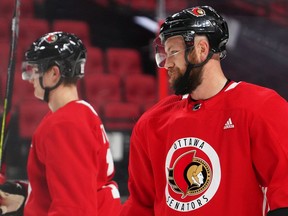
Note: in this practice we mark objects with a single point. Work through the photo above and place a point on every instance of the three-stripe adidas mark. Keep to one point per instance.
(229, 124)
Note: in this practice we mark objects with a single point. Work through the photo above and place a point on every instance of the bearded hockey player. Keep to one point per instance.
(217, 147)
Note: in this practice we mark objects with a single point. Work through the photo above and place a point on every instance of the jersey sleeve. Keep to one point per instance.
(141, 187)
(269, 149)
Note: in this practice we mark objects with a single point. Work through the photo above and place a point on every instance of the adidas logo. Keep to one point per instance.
(228, 124)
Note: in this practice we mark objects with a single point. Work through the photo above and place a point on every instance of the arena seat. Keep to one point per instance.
(102, 88)
(173, 6)
(120, 116)
(31, 113)
(78, 27)
(31, 29)
(123, 61)
(22, 91)
(146, 5)
(5, 31)
(140, 89)
(27, 9)
(95, 60)
(4, 58)
(6, 8)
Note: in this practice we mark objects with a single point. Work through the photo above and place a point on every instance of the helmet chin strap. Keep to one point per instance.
(182, 87)
(47, 90)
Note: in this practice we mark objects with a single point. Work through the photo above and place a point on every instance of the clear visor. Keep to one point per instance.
(30, 71)
(160, 54)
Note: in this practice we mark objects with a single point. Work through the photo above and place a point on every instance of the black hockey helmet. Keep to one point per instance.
(201, 20)
(63, 49)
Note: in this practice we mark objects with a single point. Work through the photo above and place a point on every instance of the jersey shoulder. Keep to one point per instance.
(248, 96)
(164, 107)
(75, 113)
(248, 92)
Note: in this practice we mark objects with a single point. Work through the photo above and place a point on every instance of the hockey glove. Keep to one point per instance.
(12, 199)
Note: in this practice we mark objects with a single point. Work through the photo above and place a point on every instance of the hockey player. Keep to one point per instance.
(217, 147)
(70, 167)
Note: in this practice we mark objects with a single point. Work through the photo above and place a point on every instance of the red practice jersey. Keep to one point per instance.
(225, 156)
(70, 167)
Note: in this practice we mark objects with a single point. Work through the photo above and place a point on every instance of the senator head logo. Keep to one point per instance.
(198, 12)
(51, 38)
(189, 174)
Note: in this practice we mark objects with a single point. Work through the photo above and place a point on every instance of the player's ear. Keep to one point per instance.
(54, 73)
(203, 48)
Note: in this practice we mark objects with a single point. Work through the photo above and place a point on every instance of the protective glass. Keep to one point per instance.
(30, 71)
(160, 54)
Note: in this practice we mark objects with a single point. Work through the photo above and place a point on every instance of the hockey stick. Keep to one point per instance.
(6, 116)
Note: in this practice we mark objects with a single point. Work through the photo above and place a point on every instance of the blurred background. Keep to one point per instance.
(121, 79)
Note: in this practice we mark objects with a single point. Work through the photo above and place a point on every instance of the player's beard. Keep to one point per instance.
(183, 85)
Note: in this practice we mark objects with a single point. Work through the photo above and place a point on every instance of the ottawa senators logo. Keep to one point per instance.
(193, 174)
(51, 38)
(198, 12)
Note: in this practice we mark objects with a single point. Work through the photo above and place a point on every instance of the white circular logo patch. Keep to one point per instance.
(193, 174)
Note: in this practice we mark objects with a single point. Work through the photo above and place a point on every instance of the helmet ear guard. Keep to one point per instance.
(72, 70)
